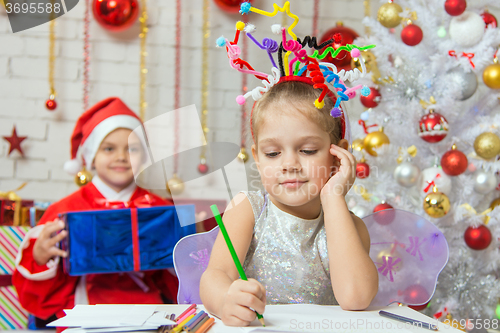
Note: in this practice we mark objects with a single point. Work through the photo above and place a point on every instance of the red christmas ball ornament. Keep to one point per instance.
(412, 35)
(433, 127)
(202, 168)
(51, 104)
(362, 169)
(477, 238)
(115, 15)
(455, 7)
(230, 6)
(372, 99)
(419, 307)
(386, 215)
(415, 294)
(489, 20)
(342, 36)
(454, 162)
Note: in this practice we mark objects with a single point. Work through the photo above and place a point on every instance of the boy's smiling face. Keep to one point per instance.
(118, 155)
(292, 155)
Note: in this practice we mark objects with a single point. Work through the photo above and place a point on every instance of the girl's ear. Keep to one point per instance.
(343, 144)
(255, 156)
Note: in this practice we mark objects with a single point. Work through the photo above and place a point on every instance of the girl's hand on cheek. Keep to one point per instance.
(344, 174)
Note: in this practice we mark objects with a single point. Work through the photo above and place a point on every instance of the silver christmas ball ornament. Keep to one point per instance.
(467, 82)
(484, 182)
(360, 211)
(406, 174)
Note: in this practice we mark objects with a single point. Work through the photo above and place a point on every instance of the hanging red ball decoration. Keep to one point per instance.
(372, 99)
(454, 162)
(477, 238)
(115, 15)
(433, 127)
(489, 20)
(230, 6)
(412, 35)
(51, 104)
(419, 307)
(342, 36)
(455, 7)
(362, 169)
(415, 294)
(387, 216)
(202, 168)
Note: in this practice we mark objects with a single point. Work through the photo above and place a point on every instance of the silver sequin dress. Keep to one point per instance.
(288, 255)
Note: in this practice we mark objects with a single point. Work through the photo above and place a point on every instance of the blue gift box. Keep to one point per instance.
(124, 240)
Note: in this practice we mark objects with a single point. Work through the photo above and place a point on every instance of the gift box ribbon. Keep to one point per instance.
(144, 201)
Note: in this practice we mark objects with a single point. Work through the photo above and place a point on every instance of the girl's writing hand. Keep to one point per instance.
(45, 245)
(240, 299)
(345, 173)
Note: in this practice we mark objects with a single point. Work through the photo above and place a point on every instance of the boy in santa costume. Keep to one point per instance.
(102, 136)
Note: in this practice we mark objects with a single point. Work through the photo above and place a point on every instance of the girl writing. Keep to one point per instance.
(297, 239)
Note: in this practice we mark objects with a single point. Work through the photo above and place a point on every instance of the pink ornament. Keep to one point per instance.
(355, 53)
(202, 168)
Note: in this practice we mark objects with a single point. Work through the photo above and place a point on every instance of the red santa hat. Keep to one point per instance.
(93, 126)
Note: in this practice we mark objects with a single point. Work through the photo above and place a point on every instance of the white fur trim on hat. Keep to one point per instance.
(108, 125)
(73, 166)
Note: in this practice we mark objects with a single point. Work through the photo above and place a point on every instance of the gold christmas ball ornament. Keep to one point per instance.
(370, 64)
(175, 185)
(436, 204)
(487, 145)
(391, 253)
(491, 76)
(243, 155)
(83, 177)
(357, 145)
(374, 140)
(388, 15)
(495, 203)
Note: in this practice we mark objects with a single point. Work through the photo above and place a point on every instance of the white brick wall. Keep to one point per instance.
(115, 72)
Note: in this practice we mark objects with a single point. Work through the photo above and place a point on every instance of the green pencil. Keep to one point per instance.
(243, 276)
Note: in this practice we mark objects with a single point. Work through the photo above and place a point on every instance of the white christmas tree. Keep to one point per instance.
(426, 66)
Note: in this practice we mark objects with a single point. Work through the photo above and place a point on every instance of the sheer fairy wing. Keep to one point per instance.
(409, 253)
(191, 257)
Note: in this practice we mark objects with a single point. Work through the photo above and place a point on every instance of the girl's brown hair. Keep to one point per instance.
(303, 96)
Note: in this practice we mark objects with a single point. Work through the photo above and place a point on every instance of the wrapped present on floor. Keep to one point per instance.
(13, 210)
(203, 211)
(12, 315)
(124, 240)
(36, 212)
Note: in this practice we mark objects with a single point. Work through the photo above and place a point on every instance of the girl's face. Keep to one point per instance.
(119, 154)
(292, 155)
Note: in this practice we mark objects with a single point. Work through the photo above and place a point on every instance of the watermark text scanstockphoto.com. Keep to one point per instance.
(367, 324)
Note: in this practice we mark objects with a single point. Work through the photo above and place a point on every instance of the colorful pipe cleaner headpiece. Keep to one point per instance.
(303, 67)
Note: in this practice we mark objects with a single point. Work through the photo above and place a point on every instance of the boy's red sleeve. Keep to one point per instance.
(43, 290)
(43, 297)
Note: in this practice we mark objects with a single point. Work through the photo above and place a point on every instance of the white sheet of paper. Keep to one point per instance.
(110, 329)
(316, 318)
(158, 319)
(105, 315)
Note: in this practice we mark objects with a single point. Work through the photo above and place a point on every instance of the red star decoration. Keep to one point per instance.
(15, 141)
